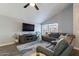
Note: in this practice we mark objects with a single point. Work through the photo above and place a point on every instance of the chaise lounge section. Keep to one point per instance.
(62, 48)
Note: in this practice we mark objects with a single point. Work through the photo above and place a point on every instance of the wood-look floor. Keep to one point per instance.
(75, 52)
(9, 50)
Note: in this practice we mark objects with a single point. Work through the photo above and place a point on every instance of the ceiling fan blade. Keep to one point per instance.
(26, 5)
(36, 7)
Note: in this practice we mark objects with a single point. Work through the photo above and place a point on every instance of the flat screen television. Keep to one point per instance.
(27, 27)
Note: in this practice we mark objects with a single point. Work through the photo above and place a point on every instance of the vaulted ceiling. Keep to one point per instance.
(30, 14)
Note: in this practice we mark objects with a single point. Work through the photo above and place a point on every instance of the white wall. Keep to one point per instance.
(76, 24)
(11, 26)
(64, 20)
(8, 27)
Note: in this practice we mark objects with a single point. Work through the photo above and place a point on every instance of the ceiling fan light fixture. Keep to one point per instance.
(32, 4)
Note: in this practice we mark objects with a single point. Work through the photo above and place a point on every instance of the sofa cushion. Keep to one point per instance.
(60, 47)
(44, 50)
(55, 35)
(67, 51)
(64, 34)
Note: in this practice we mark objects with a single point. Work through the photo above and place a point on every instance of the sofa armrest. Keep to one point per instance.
(44, 50)
(67, 51)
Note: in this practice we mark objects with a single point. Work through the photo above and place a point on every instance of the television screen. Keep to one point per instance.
(28, 27)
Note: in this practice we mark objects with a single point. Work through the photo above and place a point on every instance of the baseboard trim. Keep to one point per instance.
(7, 44)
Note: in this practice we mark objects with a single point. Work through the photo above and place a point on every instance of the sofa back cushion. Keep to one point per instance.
(60, 47)
(54, 35)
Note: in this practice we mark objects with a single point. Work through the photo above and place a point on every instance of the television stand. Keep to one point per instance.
(26, 38)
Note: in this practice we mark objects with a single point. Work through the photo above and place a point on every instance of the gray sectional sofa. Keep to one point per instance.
(62, 48)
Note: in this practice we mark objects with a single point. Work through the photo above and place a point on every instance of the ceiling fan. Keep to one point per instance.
(31, 4)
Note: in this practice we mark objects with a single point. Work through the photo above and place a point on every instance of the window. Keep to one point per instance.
(49, 28)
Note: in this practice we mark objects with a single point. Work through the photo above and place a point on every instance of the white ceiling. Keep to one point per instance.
(30, 14)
